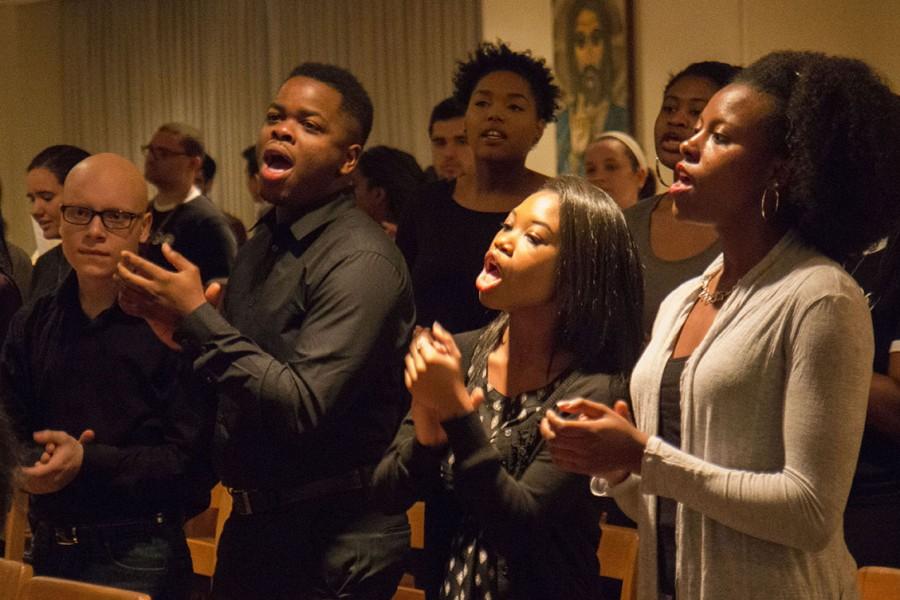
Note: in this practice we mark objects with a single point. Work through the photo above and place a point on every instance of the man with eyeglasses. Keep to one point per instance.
(182, 215)
(117, 434)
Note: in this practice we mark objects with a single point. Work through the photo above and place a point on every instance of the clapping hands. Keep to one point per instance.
(600, 441)
(434, 378)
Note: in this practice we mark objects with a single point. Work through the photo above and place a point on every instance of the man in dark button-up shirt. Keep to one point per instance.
(124, 437)
(306, 359)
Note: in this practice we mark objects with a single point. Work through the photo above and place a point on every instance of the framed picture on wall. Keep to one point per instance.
(593, 58)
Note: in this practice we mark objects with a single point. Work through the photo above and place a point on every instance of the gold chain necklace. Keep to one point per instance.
(713, 298)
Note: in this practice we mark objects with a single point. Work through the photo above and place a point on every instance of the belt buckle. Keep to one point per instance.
(65, 536)
(241, 501)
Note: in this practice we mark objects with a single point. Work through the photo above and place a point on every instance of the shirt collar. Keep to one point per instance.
(67, 298)
(324, 212)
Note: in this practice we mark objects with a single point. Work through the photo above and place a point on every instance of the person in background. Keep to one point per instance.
(615, 163)
(450, 152)
(252, 165)
(674, 250)
(117, 432)
(872, 517)
(182, 216)
(11, 294)
(44, 179)
(502, 520)
(204, 182)
(750, 398)
(19, 268)
(385, 183)
(510, 97)
(206, 175)
(305, 358)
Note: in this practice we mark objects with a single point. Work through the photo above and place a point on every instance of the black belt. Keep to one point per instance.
(249, 502)
(70, 535)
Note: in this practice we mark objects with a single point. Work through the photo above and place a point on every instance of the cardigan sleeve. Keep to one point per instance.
(828, 366)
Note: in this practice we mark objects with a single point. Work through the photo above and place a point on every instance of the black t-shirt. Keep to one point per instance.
(199, 231)
(878, 470)
(444, 245)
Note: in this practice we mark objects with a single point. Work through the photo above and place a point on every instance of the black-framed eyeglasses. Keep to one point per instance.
(111, 219)
(159, 152)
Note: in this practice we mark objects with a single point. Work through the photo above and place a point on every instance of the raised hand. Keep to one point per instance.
(161, 297)
(433, 374)
(179, 292)
(601, 441)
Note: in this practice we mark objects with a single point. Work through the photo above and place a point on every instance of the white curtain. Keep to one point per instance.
(131, 65)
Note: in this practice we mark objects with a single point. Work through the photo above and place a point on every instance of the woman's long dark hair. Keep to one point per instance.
(599, 284)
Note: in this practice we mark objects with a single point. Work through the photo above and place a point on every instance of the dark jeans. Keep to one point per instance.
(153, 559)
(332, 548)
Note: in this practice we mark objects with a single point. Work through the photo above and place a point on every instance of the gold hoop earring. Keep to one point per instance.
(762, 202)
(659, 175)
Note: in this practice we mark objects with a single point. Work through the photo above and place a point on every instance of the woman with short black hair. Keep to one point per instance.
(509, 98)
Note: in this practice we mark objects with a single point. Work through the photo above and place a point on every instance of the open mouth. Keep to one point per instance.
(493, 135)
(275, 163)
(490, 276)
(671, 142)
(683, 181)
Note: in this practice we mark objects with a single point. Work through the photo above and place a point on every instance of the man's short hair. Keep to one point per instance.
(446, 109)
(355, 100)
(191, 138)
(208, 167)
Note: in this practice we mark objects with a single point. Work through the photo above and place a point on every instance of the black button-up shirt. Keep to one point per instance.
(307, 360)
(61, 370)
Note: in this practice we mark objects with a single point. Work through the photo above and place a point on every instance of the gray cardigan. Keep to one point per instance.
(773, 404)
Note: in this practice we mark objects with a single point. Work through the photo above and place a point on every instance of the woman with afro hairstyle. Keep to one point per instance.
(509, 98)
(751, 397)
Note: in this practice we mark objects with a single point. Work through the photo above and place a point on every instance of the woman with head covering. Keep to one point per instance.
(615, 163)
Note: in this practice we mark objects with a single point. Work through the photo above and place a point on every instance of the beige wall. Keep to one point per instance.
(669, 35)
(31, 102)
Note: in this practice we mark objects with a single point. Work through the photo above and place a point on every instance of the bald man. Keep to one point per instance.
(117, 430)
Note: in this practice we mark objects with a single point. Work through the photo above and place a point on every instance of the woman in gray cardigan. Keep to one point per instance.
(751, 396)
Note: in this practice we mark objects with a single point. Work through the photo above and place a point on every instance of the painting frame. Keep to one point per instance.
(593, 49)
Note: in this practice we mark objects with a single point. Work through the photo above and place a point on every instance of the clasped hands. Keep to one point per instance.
(58, 465)
(433, 376)
(162, 297)
(600, 441)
